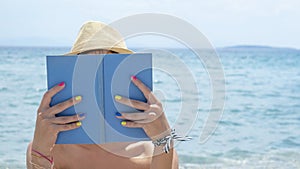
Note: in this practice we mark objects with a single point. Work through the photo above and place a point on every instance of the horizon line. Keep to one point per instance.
(137, 47)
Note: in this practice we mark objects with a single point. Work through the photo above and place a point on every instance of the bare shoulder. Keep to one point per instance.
(128, 155)
(146, 157)
(146, 148)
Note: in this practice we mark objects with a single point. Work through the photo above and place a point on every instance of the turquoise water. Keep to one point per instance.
(260, 126)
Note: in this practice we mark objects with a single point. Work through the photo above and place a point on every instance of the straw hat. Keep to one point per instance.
(95, 35)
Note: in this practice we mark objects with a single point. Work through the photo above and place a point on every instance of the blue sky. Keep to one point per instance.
(223, 22)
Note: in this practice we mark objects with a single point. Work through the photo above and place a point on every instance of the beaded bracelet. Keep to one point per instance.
(167, 140)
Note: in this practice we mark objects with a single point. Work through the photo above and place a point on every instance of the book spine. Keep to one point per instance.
(100, 86)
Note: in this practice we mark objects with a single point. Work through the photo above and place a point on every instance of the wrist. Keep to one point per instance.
(167, 140)
(40, 160)
(162, 134)
(45, 150)
(162, 129)
(160, 149)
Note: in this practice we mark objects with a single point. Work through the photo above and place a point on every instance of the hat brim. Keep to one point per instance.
(118, 50)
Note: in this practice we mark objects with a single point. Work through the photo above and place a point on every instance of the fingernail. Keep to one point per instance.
(118, 114)
(82, 115)
(117, 97)
(61, 84)
(78, 123)
(123, 123)
(133, 78)
(77, 98)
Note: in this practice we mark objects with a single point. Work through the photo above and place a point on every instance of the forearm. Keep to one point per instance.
(162, 160)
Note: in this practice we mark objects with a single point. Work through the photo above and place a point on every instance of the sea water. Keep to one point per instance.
(259, 126)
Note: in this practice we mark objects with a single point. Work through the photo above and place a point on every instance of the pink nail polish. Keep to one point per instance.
(61, 84)
(133, 78)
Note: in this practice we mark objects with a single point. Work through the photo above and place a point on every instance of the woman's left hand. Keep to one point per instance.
(152, 120)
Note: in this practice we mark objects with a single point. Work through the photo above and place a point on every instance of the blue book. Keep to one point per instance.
(98, 78)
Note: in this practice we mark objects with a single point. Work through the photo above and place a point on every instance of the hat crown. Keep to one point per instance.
(97, 35)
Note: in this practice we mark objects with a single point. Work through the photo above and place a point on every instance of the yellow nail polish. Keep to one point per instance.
(77, 98)
(78, 123)
(117, 97)
(123, 123)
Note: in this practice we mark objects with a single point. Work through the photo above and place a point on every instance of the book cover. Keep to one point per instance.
(98, 78)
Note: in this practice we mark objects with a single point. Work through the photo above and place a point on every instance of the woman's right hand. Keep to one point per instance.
(48, 125)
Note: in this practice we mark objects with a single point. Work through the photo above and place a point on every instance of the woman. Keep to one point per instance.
(98, 38)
